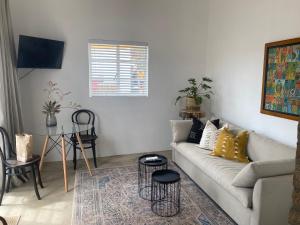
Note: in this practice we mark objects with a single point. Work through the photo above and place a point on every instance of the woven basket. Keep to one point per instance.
(191, 104)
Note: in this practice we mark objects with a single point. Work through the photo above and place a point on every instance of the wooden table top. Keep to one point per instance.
(186, 114)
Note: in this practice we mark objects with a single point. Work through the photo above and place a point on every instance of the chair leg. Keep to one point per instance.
(74, 156)
(24, 174)
(94, 153)
(39, 175)
(21, 174)
(8, 180)
(3, 183)
(21, 179)
(34, 183)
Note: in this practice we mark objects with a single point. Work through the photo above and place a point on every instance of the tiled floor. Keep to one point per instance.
(55, 208)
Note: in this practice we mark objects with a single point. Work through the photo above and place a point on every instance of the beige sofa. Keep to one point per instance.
(267, 202)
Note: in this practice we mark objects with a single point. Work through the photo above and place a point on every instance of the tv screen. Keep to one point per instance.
(39, 53)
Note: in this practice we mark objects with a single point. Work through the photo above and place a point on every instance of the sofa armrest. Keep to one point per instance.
(180, 130)
(272, 200)
(248, 176)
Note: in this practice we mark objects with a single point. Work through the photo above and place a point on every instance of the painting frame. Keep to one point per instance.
(277, 46)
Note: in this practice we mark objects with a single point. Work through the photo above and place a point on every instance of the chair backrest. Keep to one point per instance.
(84, 116)
(6, 150)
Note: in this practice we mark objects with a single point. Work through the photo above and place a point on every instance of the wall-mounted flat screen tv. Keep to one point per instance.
(40, 53)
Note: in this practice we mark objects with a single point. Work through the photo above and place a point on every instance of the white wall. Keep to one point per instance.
(238, 30)
(176, 31)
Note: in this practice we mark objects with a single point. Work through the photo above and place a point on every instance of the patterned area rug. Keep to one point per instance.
(110, 198)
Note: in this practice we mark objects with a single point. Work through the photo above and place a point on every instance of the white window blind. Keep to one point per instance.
(118, 68)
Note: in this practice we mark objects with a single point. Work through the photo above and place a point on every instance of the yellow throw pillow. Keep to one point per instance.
(232, 147)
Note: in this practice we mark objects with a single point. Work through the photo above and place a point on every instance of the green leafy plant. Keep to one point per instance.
(196, 90)
(55, 94)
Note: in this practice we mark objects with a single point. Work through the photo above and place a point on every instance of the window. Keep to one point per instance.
(118, 68)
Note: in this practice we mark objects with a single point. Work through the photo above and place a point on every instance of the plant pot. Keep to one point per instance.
(191, 104)
(51, 120)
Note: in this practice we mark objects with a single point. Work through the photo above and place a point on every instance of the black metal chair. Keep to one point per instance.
(12, 167)
(3, 221)
(88, 137)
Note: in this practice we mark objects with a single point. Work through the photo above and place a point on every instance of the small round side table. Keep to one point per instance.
(145, 170)
(165, 193)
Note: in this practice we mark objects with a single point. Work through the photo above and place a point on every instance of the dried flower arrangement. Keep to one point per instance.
(55, 94)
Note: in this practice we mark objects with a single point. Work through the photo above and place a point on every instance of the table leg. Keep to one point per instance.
(64, 158)
(44, 151)
(83, 153)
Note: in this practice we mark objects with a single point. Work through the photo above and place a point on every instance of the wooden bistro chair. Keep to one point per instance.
(88, 138)
(12, 167)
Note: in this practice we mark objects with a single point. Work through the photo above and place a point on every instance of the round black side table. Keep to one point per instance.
(165, 193)
(145, 170)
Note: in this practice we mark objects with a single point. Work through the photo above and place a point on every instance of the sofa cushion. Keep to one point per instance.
(261, 148)
(248, 176)
(222, 171)
(209, 136)
(231, 146)
(196, 131)
(180, 129)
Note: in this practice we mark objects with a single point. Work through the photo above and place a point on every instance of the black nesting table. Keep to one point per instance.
(145, 170)
(165, 193)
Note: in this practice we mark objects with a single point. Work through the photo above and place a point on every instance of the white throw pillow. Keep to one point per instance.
(248, 176)
(209, 136)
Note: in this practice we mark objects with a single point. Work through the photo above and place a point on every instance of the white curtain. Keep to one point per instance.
(10, 109)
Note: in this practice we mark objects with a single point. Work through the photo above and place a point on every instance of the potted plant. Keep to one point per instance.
(195, 92)
(52, 105)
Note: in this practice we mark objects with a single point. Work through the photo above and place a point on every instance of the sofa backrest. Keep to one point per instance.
(261, 148)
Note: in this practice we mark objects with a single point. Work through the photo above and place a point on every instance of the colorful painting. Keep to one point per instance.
(281, 83)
